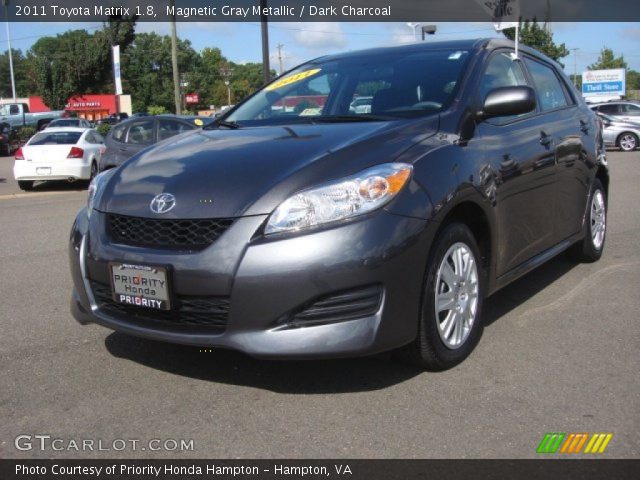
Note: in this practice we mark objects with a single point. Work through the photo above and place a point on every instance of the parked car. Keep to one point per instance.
(348, 234)
(17, 115)
(623, 135)
(69, 122)
(5, 138)
(625, 111)
(113, 119)
(134, 135)
(63, 153)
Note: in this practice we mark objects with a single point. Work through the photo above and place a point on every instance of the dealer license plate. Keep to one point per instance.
(140, 285)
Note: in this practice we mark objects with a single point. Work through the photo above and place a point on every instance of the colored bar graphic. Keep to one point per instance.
(573, 443)
(551, 442)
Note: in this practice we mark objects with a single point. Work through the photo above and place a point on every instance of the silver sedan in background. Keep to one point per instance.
(623, 135)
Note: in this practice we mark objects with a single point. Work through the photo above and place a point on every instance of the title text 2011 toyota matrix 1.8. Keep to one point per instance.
(298, 227)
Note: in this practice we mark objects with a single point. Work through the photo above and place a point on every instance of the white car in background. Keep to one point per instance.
(69, 153)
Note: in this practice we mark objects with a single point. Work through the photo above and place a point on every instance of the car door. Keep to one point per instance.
(139, 136)
(630, 112)
(572, 129)
(519, 152)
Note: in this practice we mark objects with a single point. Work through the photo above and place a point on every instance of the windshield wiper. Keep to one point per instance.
(354, 118)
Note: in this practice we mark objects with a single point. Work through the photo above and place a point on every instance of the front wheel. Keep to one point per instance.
(591, 247)
(450, 324)
(628, 142)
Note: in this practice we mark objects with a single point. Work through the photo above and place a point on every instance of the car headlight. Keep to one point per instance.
(95, 188)
(340, 199)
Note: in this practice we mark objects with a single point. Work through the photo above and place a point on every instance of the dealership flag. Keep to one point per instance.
(116, 69)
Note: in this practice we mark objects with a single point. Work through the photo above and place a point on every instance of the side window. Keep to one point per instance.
(14, 110)
(609, 109)
(89, 138)
(119, 133)
(550, 92)
(501, 71)
(169, 128)
(98, 138)
(630, 109)
(141, 133)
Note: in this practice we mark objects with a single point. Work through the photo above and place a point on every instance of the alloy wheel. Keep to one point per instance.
(628, 142)
(598, 219)
(456, 295)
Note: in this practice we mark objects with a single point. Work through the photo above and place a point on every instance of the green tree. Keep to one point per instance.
(608, 60)
(535, 36)
(22, 68)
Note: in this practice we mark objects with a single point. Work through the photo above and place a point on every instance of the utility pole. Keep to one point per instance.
(13, 80)
(225, 71)
(279, 47)
(174, 62)
(264, 30)
(575, 66)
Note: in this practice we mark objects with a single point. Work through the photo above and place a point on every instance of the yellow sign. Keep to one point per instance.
(198, 122)
(292, 79)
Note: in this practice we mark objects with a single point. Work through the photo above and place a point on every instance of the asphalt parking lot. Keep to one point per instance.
(560, 353)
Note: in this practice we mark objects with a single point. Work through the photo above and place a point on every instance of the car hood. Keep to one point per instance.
(249, 171)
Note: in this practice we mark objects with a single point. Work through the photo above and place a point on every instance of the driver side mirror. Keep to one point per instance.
(507, 101)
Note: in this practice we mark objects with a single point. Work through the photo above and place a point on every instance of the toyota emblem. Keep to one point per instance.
(163, 203)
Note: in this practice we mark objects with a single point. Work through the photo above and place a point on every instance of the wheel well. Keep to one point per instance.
(625, 133)
(473, 217)
(603, 176)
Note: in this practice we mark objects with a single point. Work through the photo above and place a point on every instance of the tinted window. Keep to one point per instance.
(14, 110)
(119, 133)
(57, 138)
(169, 128)
(501, 71)
(141, 133)
(630, 109)
(65, 123)
(550, 92)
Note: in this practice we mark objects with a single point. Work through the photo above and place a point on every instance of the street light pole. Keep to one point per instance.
(264, 30)
(575, 66)
(13, 80)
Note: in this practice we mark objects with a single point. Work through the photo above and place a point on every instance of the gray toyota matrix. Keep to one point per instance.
(301, 226)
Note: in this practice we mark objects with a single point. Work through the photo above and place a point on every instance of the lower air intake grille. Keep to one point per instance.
(192, 234)
(211, 312)
(337, 307)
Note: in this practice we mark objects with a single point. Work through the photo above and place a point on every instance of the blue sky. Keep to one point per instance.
(240, 42)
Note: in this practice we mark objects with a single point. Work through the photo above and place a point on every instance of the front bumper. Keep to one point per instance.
(77, 169)
(266, 279)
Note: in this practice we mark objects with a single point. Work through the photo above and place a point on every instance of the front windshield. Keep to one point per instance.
(390, 85)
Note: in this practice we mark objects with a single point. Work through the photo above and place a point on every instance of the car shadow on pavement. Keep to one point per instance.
(292, 377)
(515, 294)
(312, 376)
(60, 186)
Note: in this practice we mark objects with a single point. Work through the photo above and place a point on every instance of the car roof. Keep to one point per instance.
(66, 129)
(465, 44)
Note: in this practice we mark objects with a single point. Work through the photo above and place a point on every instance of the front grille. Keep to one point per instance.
(210, 312)
(337, 307)
(191, 234)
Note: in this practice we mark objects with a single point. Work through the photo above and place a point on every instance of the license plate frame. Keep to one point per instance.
(156, 272)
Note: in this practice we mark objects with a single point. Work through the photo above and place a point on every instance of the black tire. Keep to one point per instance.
(94, 171)
(428, 350)
(627, 141)
(587, 251)
(25, 185)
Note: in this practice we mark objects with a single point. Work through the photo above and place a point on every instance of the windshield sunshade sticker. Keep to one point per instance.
(292, 79)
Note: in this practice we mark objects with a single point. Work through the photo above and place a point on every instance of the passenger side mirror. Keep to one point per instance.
(507, 101)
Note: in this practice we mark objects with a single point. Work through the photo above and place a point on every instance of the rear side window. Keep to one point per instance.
(630, 109)
(550, 92)
(609, 109)
(119, 133)
(169, 128)
(141, 133)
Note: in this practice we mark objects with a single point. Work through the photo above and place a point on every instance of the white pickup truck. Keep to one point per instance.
(17, 115)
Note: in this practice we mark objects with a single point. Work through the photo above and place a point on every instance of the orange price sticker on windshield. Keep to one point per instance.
(292, 79)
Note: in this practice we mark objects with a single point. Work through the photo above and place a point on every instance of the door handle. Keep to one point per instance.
(545, 139)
